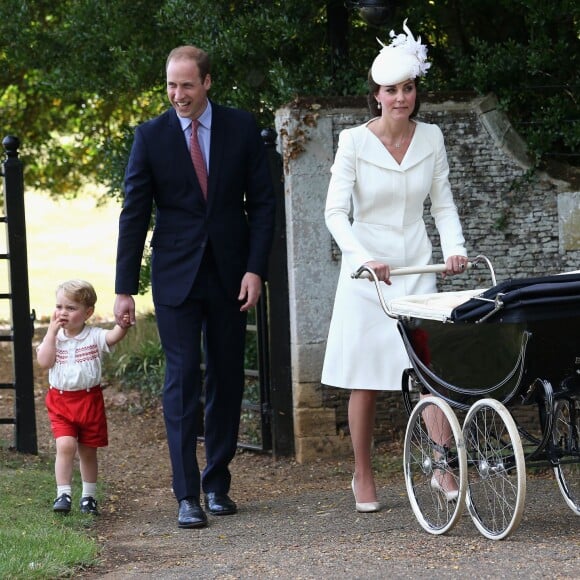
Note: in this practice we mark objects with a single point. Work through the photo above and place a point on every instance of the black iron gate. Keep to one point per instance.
(22, 322)
(269, 387)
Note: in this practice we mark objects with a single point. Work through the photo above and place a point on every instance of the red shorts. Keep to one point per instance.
(79, 414)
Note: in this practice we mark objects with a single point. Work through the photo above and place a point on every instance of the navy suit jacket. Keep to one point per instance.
(237, 220)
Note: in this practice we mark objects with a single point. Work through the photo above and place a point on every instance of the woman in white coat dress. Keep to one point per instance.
(382, 174)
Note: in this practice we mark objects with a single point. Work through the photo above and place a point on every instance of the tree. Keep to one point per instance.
(525, 51)
(77, 75)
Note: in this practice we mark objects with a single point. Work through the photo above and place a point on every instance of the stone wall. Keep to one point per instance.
(527, 224)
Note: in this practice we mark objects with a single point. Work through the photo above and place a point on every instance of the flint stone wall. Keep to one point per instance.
(528, 225)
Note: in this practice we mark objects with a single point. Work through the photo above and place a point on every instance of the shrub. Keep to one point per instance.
(138, 362)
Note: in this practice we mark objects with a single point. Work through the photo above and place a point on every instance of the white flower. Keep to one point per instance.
(406, 43)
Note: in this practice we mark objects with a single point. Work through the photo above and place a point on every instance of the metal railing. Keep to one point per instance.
(22, 320)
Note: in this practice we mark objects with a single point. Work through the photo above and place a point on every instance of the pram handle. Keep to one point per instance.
(366, 272)
(408, 270)
(369, 273)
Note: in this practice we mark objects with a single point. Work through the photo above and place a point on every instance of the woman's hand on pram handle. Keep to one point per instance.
(381, 270)
(456, 265)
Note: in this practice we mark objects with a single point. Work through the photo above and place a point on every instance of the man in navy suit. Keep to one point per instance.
(209, 257)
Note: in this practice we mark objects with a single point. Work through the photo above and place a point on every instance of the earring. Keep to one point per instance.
(378, 105)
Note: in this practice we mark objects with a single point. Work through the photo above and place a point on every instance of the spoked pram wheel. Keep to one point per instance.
(435, 465)
(496, 476)
(566, 438)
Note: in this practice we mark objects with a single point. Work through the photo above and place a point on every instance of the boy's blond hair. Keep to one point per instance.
(80, 291)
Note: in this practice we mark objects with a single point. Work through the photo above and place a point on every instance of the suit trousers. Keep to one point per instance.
(210, 317)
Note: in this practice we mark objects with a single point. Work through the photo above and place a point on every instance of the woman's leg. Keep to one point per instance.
(440, 432)
(361, 421)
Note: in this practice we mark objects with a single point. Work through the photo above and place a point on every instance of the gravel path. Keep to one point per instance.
(318, 534)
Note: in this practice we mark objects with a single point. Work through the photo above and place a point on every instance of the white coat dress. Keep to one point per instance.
(386, 202)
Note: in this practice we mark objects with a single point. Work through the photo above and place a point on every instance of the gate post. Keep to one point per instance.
(22, 321)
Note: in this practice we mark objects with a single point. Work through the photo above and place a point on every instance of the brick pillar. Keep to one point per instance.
(307, 149)
(315, 433)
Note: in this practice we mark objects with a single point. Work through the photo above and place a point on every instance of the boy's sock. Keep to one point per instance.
(89, 489)
(60, 489)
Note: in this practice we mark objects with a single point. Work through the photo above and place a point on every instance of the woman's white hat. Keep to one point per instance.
(404, 58)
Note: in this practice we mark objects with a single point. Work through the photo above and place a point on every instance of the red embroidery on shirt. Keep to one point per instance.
(87, 353)
(61, 356)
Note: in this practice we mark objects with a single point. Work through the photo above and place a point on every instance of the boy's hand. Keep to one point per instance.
(56, 322)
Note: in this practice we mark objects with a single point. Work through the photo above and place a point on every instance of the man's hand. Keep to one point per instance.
(124, 310)
(250, 291)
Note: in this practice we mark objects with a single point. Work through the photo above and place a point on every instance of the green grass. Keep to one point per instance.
(34, 541)
(74, 238)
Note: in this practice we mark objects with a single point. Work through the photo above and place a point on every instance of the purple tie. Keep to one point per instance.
(197, 158)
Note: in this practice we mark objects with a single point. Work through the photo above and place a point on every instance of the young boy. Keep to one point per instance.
(72, 351)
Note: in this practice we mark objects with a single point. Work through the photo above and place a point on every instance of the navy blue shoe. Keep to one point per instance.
(89, 506)
(62, 504)
(190, 514)
(220, 504)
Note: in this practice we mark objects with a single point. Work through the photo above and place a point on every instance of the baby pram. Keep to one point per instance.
(476, 354)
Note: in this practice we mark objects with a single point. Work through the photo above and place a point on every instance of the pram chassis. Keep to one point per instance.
(487, 457)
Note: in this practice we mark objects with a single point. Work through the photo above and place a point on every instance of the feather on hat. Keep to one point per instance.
(404, 58)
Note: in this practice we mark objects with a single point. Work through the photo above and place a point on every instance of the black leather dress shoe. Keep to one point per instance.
(219, 504)
(190, 514)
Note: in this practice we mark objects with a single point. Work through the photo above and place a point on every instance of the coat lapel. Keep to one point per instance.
(371, 150)
(217, 145)
(179, 146)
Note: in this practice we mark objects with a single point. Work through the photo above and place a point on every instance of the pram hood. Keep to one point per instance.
(524, 299)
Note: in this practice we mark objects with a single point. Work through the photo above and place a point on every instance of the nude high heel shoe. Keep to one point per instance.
(450, 495)
(365, 507)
